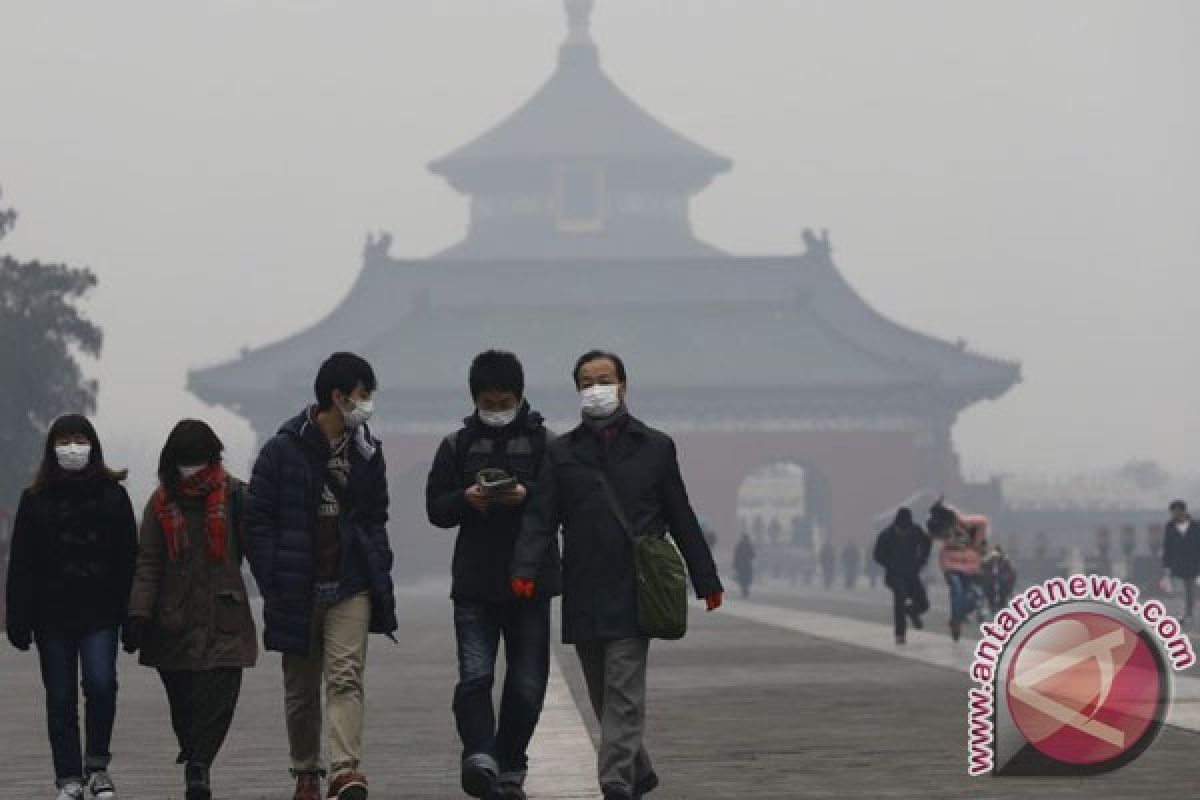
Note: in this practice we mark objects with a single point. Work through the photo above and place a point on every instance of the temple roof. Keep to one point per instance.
(579, 113)
(714, 324)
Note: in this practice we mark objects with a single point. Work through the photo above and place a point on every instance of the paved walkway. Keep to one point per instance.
(753, 704)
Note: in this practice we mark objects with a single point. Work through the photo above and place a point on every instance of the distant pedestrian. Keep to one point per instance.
(609, 482)
(851, 564)
(964, 540)
(872, 571)
(74, 542)
(999, 578)
(743, 564)
(902, 550)
(1181, 553)
(189, 613)
(317, 542)
(480, 483)
(828, 561)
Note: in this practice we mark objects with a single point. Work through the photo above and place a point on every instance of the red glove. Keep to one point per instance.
(523, 588)
(713, 601)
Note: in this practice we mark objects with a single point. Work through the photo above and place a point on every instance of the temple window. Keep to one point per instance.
(580, 199)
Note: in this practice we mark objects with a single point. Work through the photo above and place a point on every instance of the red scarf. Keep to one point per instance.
(209, 483)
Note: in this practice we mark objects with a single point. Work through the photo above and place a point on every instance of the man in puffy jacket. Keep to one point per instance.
(318, 546)
(902, 549)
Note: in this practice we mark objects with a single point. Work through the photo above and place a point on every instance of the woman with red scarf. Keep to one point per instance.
(189, 614)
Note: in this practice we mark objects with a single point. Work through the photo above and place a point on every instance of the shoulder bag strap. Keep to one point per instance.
(614, 503)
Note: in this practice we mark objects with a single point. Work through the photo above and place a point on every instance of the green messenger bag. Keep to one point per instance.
(661, 577)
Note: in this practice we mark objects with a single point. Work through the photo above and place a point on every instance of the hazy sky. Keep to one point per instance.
(1019, 174)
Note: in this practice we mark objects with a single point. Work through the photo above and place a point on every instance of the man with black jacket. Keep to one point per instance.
(316, 530)
(902, 550)
(1181, 554)
(600, 607)
(503, 439)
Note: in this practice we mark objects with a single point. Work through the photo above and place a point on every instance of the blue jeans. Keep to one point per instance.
(61, 657)
(963, 599)
(525, 628)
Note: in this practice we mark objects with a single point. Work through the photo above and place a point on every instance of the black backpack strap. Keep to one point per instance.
(458, 450)
(541, 440)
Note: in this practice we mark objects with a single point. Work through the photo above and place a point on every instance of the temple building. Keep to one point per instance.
(579, 236)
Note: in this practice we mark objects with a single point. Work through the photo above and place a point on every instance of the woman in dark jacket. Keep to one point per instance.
(188, 613)
(73, 548)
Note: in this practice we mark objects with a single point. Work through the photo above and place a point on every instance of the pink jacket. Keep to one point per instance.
(963, 551)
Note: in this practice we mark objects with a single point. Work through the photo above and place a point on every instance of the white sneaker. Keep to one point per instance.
(101, 786)
(70, 791)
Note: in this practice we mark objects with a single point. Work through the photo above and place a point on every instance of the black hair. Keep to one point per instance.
(904, 517)
(344, 372)
(596, 355)
(72, 425)
(496, 370)
(942, 520)
(190, 442)
(1178, 505)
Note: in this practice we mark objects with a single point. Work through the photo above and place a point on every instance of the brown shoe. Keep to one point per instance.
(308, 786)
(349, 786)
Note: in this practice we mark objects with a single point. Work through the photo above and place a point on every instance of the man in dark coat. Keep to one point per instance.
(503, 434)
(902, 549)
(850, 564)
(828, 563)
(318, 546)
(1181, 553)
(600, 614)
(743, 563)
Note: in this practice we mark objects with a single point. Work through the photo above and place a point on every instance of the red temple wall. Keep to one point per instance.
(867, 472)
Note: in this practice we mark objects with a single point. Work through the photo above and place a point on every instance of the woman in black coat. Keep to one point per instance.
(73, 549)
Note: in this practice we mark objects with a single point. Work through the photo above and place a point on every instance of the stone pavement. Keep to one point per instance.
(739, 709)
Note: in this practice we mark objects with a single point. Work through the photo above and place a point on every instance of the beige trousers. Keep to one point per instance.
(337, 653)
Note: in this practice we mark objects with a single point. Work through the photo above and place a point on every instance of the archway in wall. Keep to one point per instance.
(786, 509)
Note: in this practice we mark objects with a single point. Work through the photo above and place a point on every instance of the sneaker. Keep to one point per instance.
(349, 786)
(479, 775)
(308, 786)
(70, 791)
(509, 791)
(101, 786)
(197, 783)
(645, 786)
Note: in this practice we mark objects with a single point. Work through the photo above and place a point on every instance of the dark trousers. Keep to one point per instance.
(525, 629)
(615, 672)
(908, 597)
(1189, 594)
(202, 704)
(61, 658)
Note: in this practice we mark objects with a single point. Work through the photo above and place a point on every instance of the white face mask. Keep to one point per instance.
(600, 400)
(498, 419)
(358, 413)
(73, 457)
(187, 472)
(1182, 525)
